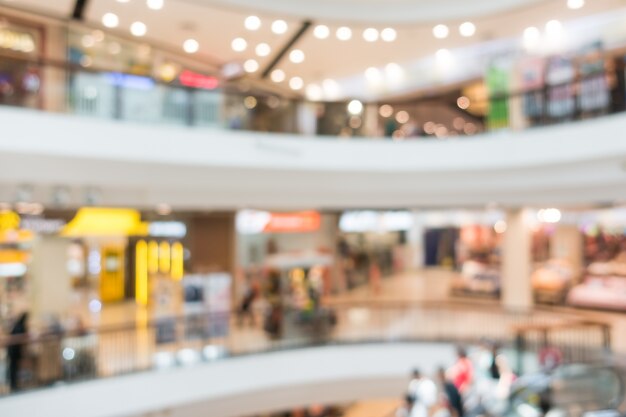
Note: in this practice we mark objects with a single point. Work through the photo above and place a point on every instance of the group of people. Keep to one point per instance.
(471, 387)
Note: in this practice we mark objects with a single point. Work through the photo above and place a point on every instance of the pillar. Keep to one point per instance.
(49, 278)
(517, 293)
(370, 121)
(567, 243)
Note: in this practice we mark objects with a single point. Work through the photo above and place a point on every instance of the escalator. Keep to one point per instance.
(574, 390)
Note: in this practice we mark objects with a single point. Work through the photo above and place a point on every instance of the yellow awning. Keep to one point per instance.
(101, 221)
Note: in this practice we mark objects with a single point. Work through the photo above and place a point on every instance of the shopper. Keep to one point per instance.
(462, 372)
(16, 350)
(452, 394)
(423, 392)
(245, 309)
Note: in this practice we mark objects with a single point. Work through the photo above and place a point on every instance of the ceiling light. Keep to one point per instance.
(321, 32)
(296, 83)
(575, 4)
(123, 1)
(279, 27)
(385, 111)
(296, 56)
(532, 35)
(263, 49)
(344, 33)
(500, 227)
(441, 31)
(239, 44)
(443, 56)
(370, 35)
(388, 35)
(467, 29)
(250, 102)
(331, 88)
(554, 28)
(163, 209)
(251, 66)
(252, 23)
(278, 76)
(393, 70)
(549, 215)
(191, 46)
(463, 102)
(355, 107)
(372, 74)
(138, 29)
(110, 20)
(155, 4)
(314, 92)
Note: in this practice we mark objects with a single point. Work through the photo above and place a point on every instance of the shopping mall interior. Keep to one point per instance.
(313, 208)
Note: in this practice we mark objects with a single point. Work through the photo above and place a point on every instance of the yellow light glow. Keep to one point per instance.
(153, 257)
(178, 268)
(100, 221)
(141, 273)
(165, 257)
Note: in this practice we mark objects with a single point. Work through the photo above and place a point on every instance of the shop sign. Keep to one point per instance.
(255, 222)
(43, 226)
(195, 80)
(136, 82)
(167, 229)
(17, 41)
(373, 221)
(9, 220)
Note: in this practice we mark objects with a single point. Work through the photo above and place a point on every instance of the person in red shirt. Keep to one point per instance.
(462, 372)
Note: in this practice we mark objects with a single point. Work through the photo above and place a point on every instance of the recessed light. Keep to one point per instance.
(532, 36)
(110, 20)
(388, 35)
(370, 35)
(250, 102)
(314, 92)
(331, 88)
(239, 44)
(296, 56)
(355, 107)
(296, 83)
(279, 27)
(263, 49)
(554, 27)
(344, 33)
(441, 31)
(402, 117)
(138, 29)
(467, 29)
(191, 46)
(251, 66)
(321, 32)
(575, 4)
(278, 76)
(372, 74)
(252, 23)
(155, 4)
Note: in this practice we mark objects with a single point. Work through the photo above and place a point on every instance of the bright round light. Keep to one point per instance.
(444, 57)
(191, 46)
(279, 27)
(370, 35)
(110, 20)
(385, 111)
(373, 75)
(388, 35)
(532, 36)
(239, 44)
(251, 66)
(314, 92)
(331, 88)
(95, 306)
(155, 4)
(441, 31)
(250, 102)
(321, 32)
(252, 23)
(463, 103)
(138, 29)
(296, 83)
(278, 76)
(355, 107)
(344, 33)
(467, 29)
(393, 70)
(68, 354)
(500, 227)
(550, 215)
(554, 28)
(263, 49)
(402, 117)
(575, 4)
(296, 56)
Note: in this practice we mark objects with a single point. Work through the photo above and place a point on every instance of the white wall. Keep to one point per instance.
(143, 165)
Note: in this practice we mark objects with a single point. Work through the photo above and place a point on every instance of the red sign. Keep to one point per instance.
(304, 221)
(195, 80)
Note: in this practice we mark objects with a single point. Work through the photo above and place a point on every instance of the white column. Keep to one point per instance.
(49, 279)
(370, 114)
(307, 118)
(567, 243)
(517, 291)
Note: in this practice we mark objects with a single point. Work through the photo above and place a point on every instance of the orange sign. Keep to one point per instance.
(303, 221)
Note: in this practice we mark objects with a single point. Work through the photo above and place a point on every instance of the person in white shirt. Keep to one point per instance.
(423, 392)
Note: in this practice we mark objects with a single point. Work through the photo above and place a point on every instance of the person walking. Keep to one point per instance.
(452, 394)
(15, 351)
(462, 372)
(423, 392)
